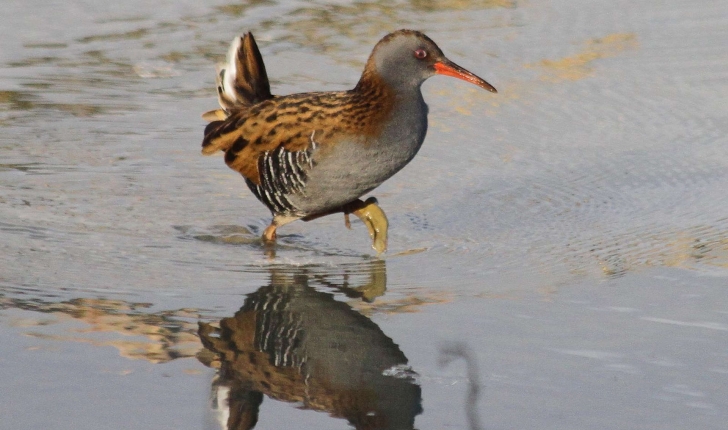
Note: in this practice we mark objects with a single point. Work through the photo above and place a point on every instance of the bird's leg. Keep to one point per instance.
(374, 218)
(269, 234)
(369, 213)
(347, 222)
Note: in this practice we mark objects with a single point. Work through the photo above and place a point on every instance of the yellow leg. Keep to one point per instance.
(368, 212)
(375, 219)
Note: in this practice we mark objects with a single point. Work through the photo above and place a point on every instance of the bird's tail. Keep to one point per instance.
(242, 81)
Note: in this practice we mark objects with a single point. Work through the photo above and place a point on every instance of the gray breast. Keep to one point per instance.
(356, 166)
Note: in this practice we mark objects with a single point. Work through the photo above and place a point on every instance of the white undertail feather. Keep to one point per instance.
(227, 96)
(242, 80)
(227, 74)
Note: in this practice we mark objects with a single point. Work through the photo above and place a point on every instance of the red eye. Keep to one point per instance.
(420, 54)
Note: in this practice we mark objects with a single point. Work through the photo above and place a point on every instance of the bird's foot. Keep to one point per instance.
(269, 235)
(369, 213)
(376, 221)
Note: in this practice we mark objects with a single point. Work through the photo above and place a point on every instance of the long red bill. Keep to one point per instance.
(448, 68)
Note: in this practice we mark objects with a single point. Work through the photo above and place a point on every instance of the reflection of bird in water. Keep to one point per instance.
(296, 344)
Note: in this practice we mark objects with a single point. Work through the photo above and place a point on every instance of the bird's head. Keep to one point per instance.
(408, 58)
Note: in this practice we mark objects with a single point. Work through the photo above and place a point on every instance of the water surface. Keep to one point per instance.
(566, 238)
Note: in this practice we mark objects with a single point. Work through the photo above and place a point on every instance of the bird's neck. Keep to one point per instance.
(394, 112)
(374, 84)
(397, 112)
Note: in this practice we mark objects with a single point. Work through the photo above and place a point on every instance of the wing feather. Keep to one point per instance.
(276, 123)
(252, 122)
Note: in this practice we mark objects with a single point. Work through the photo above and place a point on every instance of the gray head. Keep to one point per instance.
(406, 58)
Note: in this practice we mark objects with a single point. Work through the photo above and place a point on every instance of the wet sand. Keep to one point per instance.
(569, 234)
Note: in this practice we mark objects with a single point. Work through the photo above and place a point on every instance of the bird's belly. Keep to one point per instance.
(352, 169)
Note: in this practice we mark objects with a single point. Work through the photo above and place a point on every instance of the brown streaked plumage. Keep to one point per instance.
(312, 154)
(290, 121)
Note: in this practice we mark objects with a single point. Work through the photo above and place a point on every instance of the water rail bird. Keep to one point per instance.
(313, 154)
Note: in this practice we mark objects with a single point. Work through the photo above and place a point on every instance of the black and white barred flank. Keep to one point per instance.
(282, 173)
(279, 331)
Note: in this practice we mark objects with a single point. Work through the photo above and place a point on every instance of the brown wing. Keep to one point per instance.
(294, 122)
(290, 122)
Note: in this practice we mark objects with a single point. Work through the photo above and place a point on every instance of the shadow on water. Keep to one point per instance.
(458, 350)
(250, 237)
(294, 343)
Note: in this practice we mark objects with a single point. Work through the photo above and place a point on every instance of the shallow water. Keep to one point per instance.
(566, 238)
